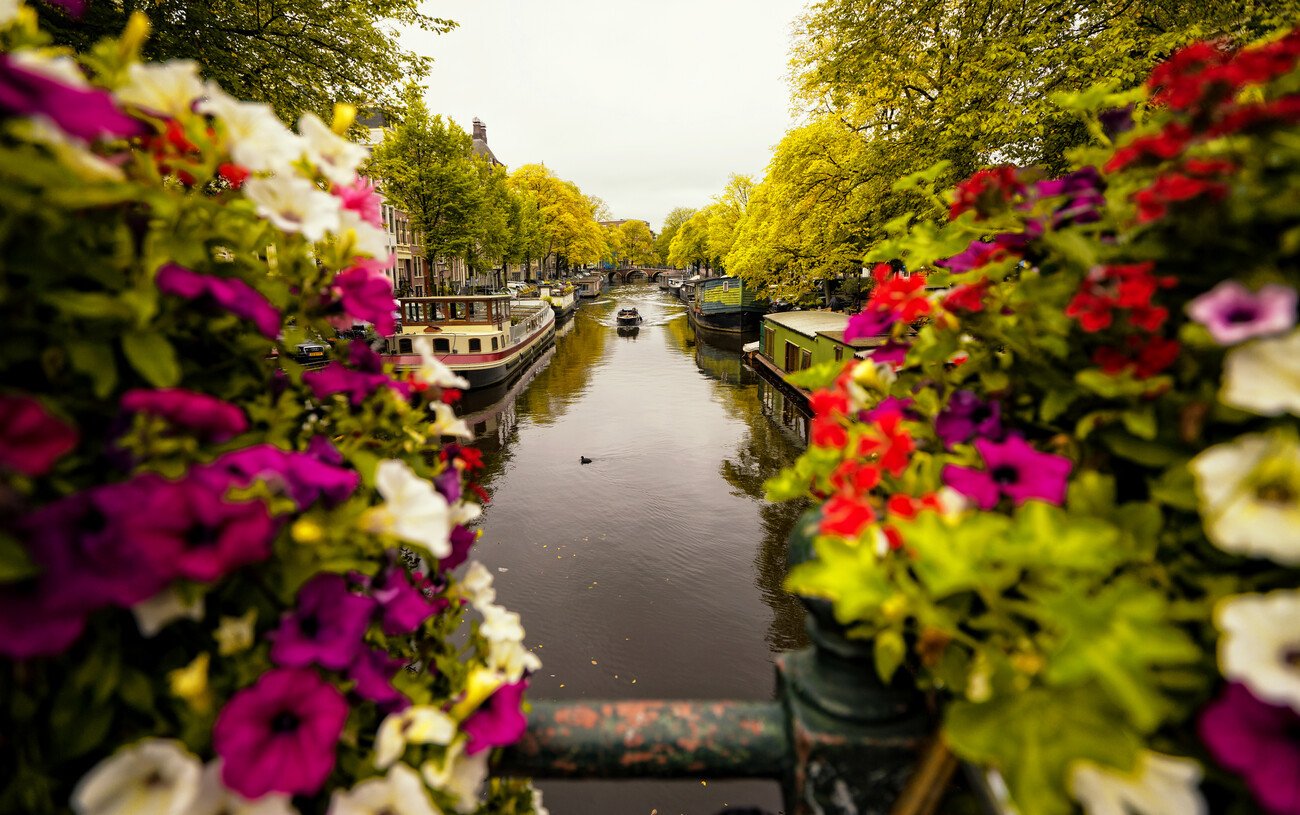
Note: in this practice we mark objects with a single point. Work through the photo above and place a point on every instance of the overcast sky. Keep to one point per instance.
(649, 104)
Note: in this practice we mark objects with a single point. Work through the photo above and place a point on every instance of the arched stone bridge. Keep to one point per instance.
(649, 273)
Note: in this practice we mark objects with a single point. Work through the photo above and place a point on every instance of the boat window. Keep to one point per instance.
(791, 356)
(805, 359)
(478, 311)
(769, 337)
(475, 345)
(442, 344)
(839, 352)
(494, 343)
(403, 346)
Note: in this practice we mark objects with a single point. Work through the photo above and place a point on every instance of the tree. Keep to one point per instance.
(672, 223)
(567, 231)
(296, 55)
(496, 218)
(426, 167)
(726, 213)
(599, 209)
(690, 246)
(636, 244)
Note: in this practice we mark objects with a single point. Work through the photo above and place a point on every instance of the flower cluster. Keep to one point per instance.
(229, 583)
(1070, 494)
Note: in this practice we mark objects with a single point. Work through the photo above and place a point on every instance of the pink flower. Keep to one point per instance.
(404, 607)
(334, 378)
(499, 722)
(83, 113)
(1258, 741)
(373, 673)
(279, 734)
(361, 197)
(206, 416)
(1012, 469)
(31, 440)
(304, 477)
(32, 625)
(367, 295)
(1233, 313)
(326, 628)
(462, 539)
(229, 293)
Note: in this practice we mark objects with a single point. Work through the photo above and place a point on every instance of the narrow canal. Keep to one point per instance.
(654, 571)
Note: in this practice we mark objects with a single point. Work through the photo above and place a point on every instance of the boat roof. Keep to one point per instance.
(460, 297)
(828, 323)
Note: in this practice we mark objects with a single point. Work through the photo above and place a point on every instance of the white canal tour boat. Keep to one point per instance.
(485, 338)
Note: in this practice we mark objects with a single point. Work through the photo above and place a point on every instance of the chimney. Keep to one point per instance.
(480, 131)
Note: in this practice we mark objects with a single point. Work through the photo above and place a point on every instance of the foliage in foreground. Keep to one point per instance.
(1066, 493)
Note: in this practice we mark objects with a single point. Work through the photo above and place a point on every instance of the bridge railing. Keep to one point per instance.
(836, 738)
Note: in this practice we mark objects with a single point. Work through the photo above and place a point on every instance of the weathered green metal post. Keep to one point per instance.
(838, 739)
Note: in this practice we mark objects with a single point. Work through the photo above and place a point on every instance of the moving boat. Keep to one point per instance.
(628, 317)
(485, 338)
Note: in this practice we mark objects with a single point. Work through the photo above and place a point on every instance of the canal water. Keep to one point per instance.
(654, 571)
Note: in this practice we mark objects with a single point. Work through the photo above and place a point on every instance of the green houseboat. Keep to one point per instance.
(726, 312)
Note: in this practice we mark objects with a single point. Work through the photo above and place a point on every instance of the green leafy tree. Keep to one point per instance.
(636, 244)
(567, 231)
(672, 223)
(296, 55)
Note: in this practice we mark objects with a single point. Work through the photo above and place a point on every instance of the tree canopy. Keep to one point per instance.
(567, 231)
(296, 55)
(672, 222)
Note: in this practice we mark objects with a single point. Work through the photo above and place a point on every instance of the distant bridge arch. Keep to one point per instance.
(651, 274)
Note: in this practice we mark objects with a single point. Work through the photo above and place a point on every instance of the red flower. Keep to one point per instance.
(1153, 202)
(1128, 286)
(853, 477)
(828, 403)
(451, 395)
(907, 506)
(234, 174)
(889, 442)
(1162, 146)
(1145, 356)
(828, 432)
(1182, 80)
(846, 516)
(986, 191)
(968, 297)
(1280, 111)
(473, 458)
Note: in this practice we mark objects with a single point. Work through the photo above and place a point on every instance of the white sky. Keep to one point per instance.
(649, 104)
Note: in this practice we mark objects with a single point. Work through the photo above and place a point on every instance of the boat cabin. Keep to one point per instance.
(794, 340)
(457, 325)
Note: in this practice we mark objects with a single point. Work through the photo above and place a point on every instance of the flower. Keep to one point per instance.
(235, 634)
(335, 157)
(1173, 188)
(361, 197)
(209, 418)
(33, 623)
(1157, 785)
(477, 584)
(413, 510)
(967, 297)
(294, 204)
(1166, 144)
(432, 371)
(1234, 313)
(1131, 287)
(499, 722)
(165, 89)
(985, 191)
(462, 540)
(1263, 376)
(403, 606)
(1012, 469)
(151, 777)
(1256, 740)
(846, 516)
(326, 627)
(373, 673)
(215, 799)
(257, 139)
(507, 656)
(1261, 643)
(1144, 357)
(977, 254)
(966, 416)
(896, 298)
(306, 477)
(367, 295)
(163, 609)
(366, 239)
(279, 734)
(401, 792)
(230, 294)
(32, 440)
(418, 724)
(1249, 491)
(458, 773)
(28, 89)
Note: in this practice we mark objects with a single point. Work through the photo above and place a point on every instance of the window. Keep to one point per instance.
(494, 343)
(791, 357)
(403, 346)
(769, 338)
(475, 345)
(839, 352)
(442, 344)
(805, 358)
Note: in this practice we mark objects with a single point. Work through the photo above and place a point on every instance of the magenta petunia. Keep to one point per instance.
(1012, 469)
(966, 416)
(229, 293)
(192, 529)
(335, 378)
(279, 734)
(891, 353)
(499, 722)
(367, 294)
(362, 198)
(31, 440)
(373, 673)
(326, 628)
(1260, 742)
(84, 113)
(403, 606)
(462, 540)
(871, 322)
(977, 254)
(304, 477)
(1233, 313)
(31, 622)
(364, 358)
(212, 419)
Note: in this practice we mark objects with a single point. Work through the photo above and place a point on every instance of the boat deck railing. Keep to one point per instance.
(521, 330)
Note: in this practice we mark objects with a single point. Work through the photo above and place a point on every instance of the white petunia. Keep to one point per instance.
(335, 157)
(1261, 639)
(9, 11)
(538, 809)
(433, 371)
(505, 635)
(1158, 785)
(151, 777)
(1250, 496)
(165, 88)
(1263, 376)
(477, 583)
(294, 204)
(163, 609)
(256, 137)
(447, 423)
(401, 792)
(62, 68)
(458, 774)
(413, 510)
(418, 724)
(216, 799)
(367, 239)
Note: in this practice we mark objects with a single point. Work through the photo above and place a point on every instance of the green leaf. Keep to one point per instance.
(14, 562)
(1141, 421)
(153, 358)
(952, 558)
(1149, 453)
(849, 576)
(1069, 542)
(89, 305)
(96, 361)
(889, 650)
(1176, 487)
(818, 376)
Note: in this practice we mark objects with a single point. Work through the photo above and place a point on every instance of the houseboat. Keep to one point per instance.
(590, 286)
(793, 340)
(562, 297)
(484, 338)
(725, 311)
